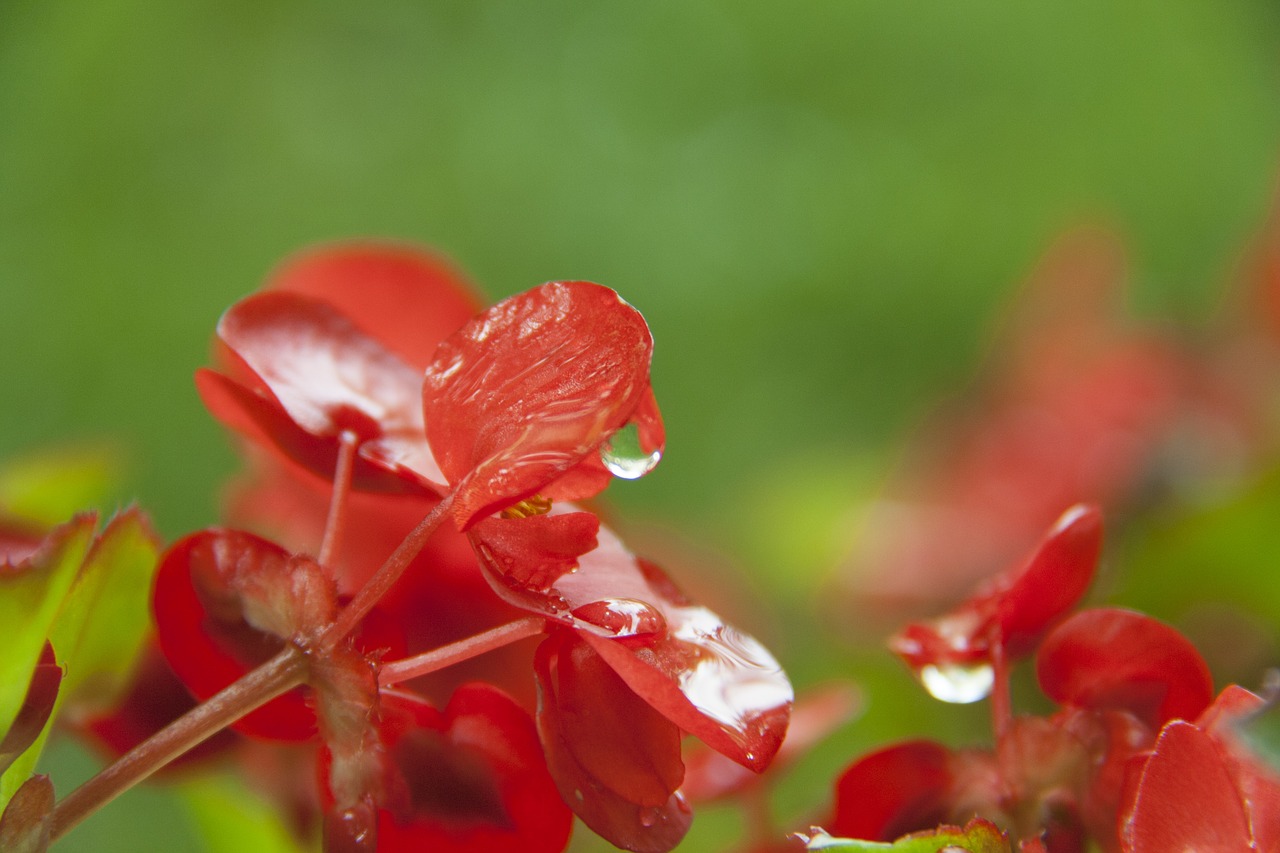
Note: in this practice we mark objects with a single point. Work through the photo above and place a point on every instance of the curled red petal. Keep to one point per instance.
(1019, 606)
(1258, 783)
(473, 777)
(527, 390)
(317, 375)
(1109, 658)
(37, 705)
(627, 796)
(535, 552)
(203, 631)
(407, 297)
(899, 789)
(1184, 798)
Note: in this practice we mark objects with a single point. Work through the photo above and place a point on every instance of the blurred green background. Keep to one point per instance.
(818, 206)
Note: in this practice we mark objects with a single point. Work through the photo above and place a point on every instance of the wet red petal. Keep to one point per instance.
(523, 393)
(614, 761)
(1019, 606)
(535, 552)
(1184, 798)
(893, 791)
(42, 692)
(474, 778)
(712, 680)
(1111, 658)
(407, 297)
(321, 375)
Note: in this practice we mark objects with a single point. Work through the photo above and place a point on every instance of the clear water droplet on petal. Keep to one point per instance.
(649, 816)
(621, 617)
(959, 684)
(624, 457)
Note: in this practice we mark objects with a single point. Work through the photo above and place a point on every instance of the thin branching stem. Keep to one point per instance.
(347, 447)
(282, 672)
(446, 656)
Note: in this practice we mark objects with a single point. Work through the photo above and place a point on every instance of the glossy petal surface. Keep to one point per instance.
(712, 680)
(535, 552)
(614, 759)
(1112, 658)
(526, 391)
(1185, 798)
(321, 375)
(1016, 608)
(892, 791)
(407, 297)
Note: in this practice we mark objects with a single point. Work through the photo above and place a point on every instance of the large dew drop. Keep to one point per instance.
(624, 457)
(957, 683)
(621, 617)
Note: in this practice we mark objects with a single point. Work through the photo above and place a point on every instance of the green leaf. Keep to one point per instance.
(104, 618)
(31, 595)
(231, 819)
(977, 836)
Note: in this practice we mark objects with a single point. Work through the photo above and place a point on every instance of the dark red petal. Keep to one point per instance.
(203, 631)
(1017, 607)
(893, 791)
(534, 552)
(407, 297)
(42, 692)
(474, 778)
(1111, 658)
(627, 796)
(1185, 798)
(320, 375)
(523, 393)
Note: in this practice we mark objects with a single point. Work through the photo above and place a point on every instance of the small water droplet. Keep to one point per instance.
(959, 684)
(622, 617)
(624, 457)
(649, 816)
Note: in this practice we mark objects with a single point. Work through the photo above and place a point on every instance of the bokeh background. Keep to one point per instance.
(818, 206)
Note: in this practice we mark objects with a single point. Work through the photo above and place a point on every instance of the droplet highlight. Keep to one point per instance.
(621, 617)
(959, 684)
(624, 457)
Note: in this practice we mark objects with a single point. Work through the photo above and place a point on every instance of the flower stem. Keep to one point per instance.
(1001, 702)
(445, 656)
(349, 444)
(260, 686)
(390, 571)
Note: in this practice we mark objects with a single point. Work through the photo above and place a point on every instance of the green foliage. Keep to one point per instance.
(977, 836)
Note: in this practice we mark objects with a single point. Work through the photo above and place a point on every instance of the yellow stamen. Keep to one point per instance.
(536, 505)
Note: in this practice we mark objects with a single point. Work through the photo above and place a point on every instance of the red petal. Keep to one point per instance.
(1185, 798)
(896, 790)
(408, 298)
(710, 679)
(1258, 783)
(203, 631)
(321, 376)
(626, 794)
(42, 692)
(535, 552)
(527, 390)
(475, 779)
(1112, 658)
(1017, 607)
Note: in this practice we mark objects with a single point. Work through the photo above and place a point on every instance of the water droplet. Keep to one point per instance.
(624, 457)
(622, 617)
(958, 683)
(649, 816)
(682, 803)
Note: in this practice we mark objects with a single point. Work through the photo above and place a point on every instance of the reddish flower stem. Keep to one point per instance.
(1001, 702)
(349, 444)
(282, 672)
(446, 656)
(376, 587)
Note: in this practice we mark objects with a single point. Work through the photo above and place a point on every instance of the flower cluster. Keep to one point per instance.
(1138, 736)
(409, 594)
